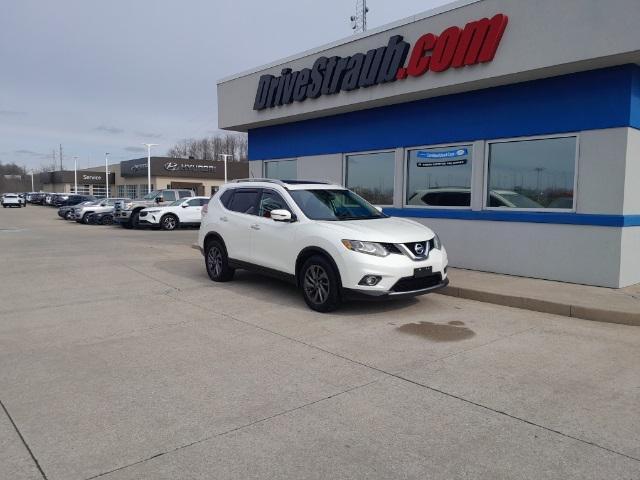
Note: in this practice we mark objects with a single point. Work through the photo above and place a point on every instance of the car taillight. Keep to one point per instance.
(205, 209)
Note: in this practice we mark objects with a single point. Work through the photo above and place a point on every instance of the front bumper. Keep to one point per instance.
(353, 294)
(122, 216)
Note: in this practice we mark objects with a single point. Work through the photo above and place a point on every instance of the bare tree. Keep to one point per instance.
(209, 148)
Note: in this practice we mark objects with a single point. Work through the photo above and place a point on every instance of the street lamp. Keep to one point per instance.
(32, 188)
(224, 157)
(75, 175)
(149, 145)
(106, 173)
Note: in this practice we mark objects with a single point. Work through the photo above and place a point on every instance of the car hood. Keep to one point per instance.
(385, 230)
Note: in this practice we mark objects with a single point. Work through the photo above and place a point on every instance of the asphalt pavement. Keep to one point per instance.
(119, 359)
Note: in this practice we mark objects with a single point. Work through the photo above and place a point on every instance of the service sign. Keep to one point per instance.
(477, 42)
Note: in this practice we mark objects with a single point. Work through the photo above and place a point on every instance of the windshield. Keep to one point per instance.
(334, 205)
(177, 203)
(152, 195)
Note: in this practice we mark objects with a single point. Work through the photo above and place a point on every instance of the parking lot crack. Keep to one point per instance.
(22, 439)
(433, 389)
(232, 430)
(151, 277)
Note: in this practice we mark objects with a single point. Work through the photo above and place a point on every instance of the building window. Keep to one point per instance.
(371, 175)
(439, 177)
(532, 174)
(99, 191)
(121, 192)
(83, 190)
(143, 190)
(281, 169)
(131, 191)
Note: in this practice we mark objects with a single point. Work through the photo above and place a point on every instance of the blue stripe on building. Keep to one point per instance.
(595, 99)
(527, 217)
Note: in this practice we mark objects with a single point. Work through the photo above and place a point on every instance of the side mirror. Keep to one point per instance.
(159, 199)
(184, 205)
(281, 215)
(378, 208)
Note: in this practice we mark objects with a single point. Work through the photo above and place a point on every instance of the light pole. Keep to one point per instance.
(32, 188)
(225, 156)
(75, 175)
(149, 145)
(106, 173)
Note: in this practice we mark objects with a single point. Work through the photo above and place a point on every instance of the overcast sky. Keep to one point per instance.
(105, 76)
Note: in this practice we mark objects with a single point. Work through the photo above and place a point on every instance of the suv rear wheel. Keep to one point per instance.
(217, 262)
(169, 222)
(319, 284)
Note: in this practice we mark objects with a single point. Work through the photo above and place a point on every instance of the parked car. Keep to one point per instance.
(102, 218)
(38, 198)
(461, 197)
(183, 212)
(67, 211)
(127, 213)
(74, 199)
(11, 200)
(326, 239)
(81, 214)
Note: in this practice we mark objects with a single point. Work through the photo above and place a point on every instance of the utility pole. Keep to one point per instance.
(106, 174)
(359, 20)
(149, 145)
(61, 167)
(225, 156)
(75, 175)
(53, 156)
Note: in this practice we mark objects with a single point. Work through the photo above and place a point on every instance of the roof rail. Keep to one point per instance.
(282, 183)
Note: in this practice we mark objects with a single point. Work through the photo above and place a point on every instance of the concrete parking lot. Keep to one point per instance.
(119, 359)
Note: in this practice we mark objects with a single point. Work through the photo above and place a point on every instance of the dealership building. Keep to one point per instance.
(510, 127)
(129, 178)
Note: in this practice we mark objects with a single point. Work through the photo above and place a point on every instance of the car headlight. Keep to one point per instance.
(437, 244)
(370, 248)
(127, 206)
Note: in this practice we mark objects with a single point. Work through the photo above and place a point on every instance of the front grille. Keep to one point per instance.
(410, 284)
(391, 248)
(423, 247)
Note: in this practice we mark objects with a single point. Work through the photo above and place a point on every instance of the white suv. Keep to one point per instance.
(326, 239)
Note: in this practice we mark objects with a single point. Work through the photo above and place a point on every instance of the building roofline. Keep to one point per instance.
(383, 28)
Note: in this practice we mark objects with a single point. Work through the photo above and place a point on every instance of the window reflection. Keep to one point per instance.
(439, 176)
(371, 176)
(532, 173)
(281, 169)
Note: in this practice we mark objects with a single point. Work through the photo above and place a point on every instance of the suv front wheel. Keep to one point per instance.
(320, 285)
(217, 262)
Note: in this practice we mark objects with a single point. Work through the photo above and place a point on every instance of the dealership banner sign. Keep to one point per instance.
(455, 47)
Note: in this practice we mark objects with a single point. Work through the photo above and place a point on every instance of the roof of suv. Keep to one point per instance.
(286, 184)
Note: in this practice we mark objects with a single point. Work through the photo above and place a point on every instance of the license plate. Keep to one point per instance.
(422, 272)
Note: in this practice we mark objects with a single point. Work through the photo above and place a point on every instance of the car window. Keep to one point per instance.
(271, 200)
(184, 193)
(226, 197)
(177, 203)
(324, 204)
(169, 196)
(196, 202)
(244, 201)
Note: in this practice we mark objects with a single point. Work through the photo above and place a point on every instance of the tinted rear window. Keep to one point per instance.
(244, 201)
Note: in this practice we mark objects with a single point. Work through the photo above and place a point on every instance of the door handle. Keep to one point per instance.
(224, 219)
(255, 226)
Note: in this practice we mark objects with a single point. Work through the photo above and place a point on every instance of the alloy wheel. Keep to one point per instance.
(316, 284)
(169, 223)
(214, 261)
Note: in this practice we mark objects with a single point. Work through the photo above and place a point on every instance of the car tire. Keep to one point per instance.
(320, 285)
(67, 216)
(85, 219)
(217, 262)
(107, 220)
(169, 222)
(135, 219)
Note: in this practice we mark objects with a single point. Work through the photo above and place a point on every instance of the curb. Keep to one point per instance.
(544, 306)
